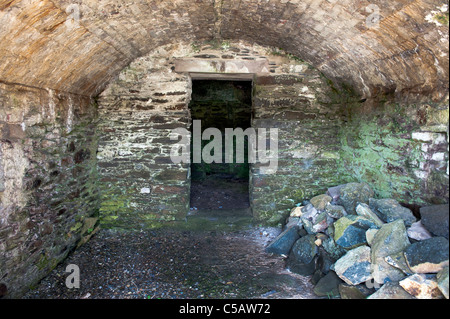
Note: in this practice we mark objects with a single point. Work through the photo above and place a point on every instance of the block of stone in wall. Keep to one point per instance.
(428, 256)
(389, 210)
(351, 194)
(435, 219)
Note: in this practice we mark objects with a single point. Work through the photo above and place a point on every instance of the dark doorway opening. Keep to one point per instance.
(221, 105)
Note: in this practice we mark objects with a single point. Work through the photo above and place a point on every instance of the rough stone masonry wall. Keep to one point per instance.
(48, 197)
(326, 137)
(399, 147)
(300, 102)
(139, 184)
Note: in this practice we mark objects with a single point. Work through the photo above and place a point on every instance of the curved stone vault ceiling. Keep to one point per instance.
(78, 46)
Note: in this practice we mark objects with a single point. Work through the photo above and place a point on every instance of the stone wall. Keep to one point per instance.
(326, 136)
(399, 148)
(300, 103)
(48, 196)
(139, 184)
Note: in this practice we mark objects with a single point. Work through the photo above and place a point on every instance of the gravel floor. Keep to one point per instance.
(171, 264)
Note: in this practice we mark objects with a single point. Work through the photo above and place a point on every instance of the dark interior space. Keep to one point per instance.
(221, 105)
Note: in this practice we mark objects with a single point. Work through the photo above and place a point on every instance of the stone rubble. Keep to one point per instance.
(357, 247)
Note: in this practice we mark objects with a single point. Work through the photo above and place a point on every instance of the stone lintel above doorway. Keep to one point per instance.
(222, 69)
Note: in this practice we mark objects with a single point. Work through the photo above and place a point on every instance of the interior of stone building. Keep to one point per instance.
(92, 94)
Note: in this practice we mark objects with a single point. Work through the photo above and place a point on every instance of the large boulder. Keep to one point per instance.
(421, 287)
(389, 240)
(428, 256)
(389, 210)
(435, 219)
(283, 243)
(351, 194)
(302, 259)
(354, 268)
(350, 231)
(391, 290)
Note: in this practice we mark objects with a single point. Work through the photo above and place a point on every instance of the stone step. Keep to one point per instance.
(219, 219)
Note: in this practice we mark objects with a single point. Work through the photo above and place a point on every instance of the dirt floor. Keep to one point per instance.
(176, 264)
(219, 193)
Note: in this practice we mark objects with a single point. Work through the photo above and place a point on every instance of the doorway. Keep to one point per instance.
(221, 105)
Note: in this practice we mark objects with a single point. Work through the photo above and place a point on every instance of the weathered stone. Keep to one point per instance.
(389, 240)
(428, 256)
(421, 287)
(390, 210)
(354, 268)
(335, 211)
(365, 211)
(283, 243)
(313, 220)
(296, 212)
(321, 201)
(353, 292)
(391, 290)
(325, 261)
(293, 221)
(328, 285)
(398, 261)
(335, 192)
(350, 231)
(302, 257)
(335, 251)
(435, 219)
(418, 232)
(443, 280)
(370, 234)
(354, 193)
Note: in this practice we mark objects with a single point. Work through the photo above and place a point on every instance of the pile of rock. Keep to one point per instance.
(355, 246)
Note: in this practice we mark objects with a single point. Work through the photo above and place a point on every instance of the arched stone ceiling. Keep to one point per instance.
(375, 46)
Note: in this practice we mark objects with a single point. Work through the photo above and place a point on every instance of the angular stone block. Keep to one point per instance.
(435, 219)
(350, 231)
(283, 243)
(352, 194)
(428, 256)
(389, 240)
(354, 267)
(421, 287)
(389, 210)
